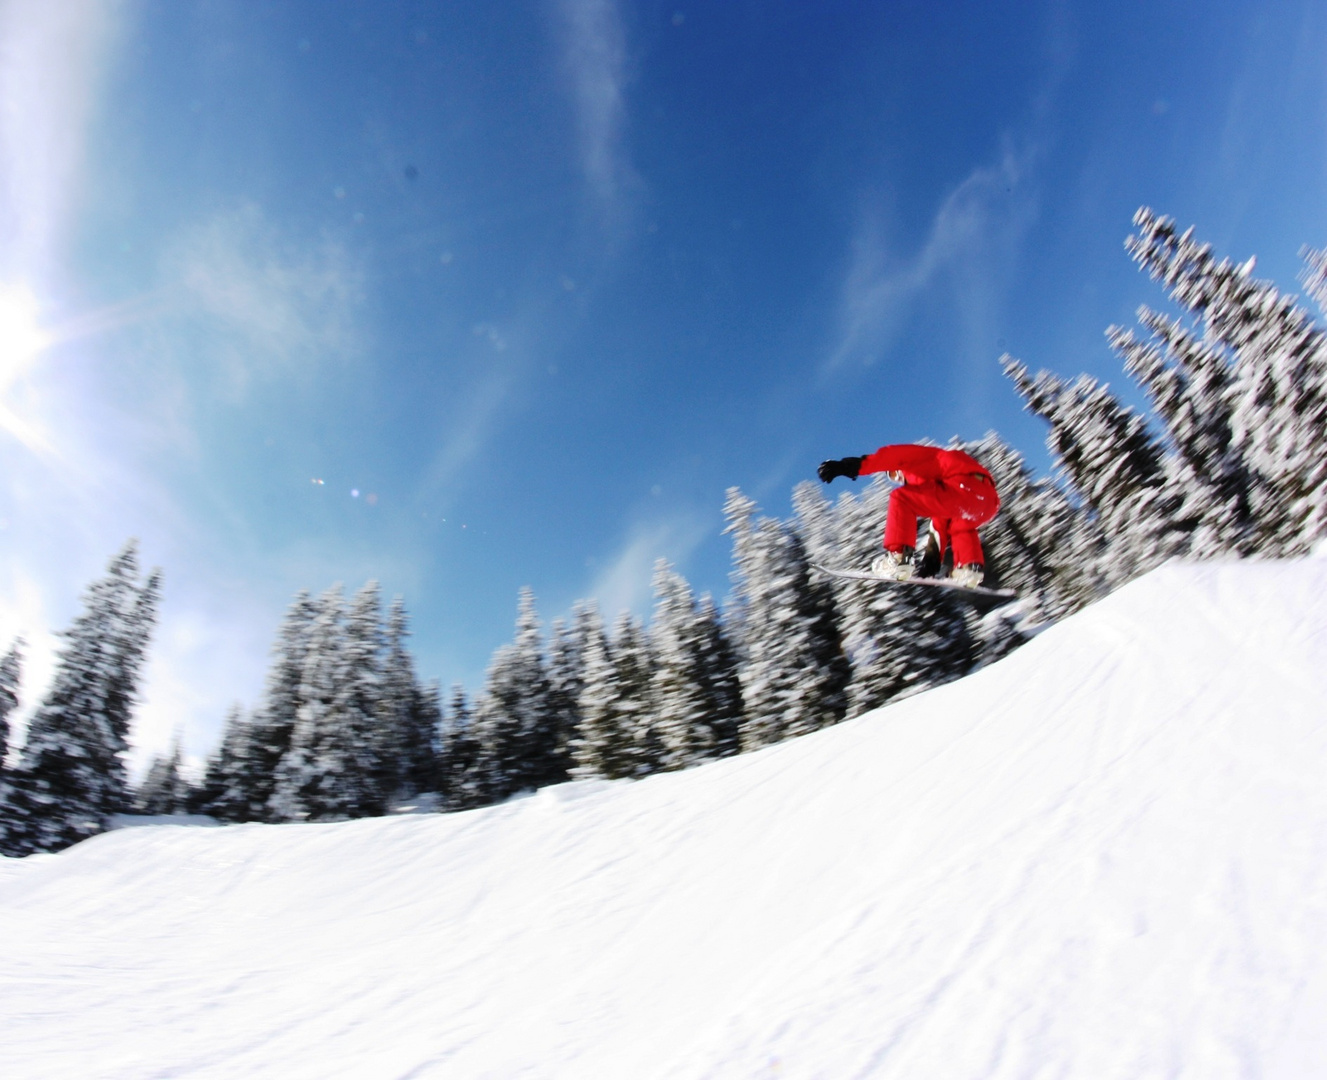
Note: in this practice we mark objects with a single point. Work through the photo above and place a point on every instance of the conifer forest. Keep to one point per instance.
(1230, 460)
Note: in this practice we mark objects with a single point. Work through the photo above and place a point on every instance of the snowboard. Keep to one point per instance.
(972, 594)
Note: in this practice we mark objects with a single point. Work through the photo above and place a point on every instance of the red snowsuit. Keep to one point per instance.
(948, 486)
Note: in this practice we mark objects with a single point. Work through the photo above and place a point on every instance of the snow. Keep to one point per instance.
(1104, 856)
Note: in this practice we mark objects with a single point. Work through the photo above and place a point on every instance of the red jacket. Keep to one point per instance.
(918, 464)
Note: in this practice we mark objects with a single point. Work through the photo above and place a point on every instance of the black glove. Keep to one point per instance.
(849, 467)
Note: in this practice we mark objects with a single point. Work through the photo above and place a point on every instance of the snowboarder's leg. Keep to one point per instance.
(901, 520)
(977, 503)
(967, 547)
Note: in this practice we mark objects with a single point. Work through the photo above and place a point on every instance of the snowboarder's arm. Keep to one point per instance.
(841, 467)
(919, 461)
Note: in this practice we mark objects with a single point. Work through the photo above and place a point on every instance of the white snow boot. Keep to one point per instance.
(893, 565)
(969, 575)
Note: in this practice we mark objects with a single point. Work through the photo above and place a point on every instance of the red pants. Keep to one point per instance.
(955, 506)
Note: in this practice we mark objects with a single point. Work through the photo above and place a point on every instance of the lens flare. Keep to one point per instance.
(21, 335)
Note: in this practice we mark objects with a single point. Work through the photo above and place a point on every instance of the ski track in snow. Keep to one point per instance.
(1103, 857)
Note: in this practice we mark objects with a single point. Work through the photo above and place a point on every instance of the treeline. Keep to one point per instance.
(1230, 462)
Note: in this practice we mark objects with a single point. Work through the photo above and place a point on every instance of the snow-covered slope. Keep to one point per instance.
(1104, 857)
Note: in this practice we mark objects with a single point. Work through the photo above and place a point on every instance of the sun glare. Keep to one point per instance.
(21, 335)
(21, 342)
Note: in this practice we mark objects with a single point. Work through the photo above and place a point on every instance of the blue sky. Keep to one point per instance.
(525, 286)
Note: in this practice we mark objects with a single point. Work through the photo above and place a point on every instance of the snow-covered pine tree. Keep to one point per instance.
(690, 719)
(832, 537)
(164, 789)
(129, 649)
(11, 669)
(794, 672)
(635, 663)
(306, 767)
(266, 738)
(566, 674)
(603, 745)
(1275, 381)
(1314, 275)
(1191, 386)
(496, 724)
(616, 738)
(408, 714)
(372, 769)
(462, 771)
(543, 742)
(331, 770)
(231, 788)
(721, 677)
(1113, 462)
(513, 720)
(71, 774)
(428, 721)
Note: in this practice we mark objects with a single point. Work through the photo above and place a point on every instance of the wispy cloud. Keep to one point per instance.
(594, 54)
(505, 353)
(52, 56)
(625, 582)
(971, 239)
(464, 434)
(267, 303)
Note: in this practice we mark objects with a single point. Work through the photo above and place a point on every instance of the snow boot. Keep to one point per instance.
(969, 575)
(893, 565)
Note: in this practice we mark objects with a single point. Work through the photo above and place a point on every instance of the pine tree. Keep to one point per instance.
(691, 721)
(462, 771)
(332, 769)
(635, 664)
(514, 721)
(232, 789)
(677, 697)
(1192, 390)
(266, 739)
(1314, 275)
(371, 771)
(1113, 462)
(794, 672)
(721, 679)
(408, 714)
(566, 675)
(71, 774)
(497, 727)
(164, 790)
(1267, 362)
(427, 726)
(1240, 391)
(11, 668)
(604, 744)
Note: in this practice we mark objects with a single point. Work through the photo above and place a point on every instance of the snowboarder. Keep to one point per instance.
(950, 487)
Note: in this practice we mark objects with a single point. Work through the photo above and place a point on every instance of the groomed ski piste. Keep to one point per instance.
(1103, 857)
